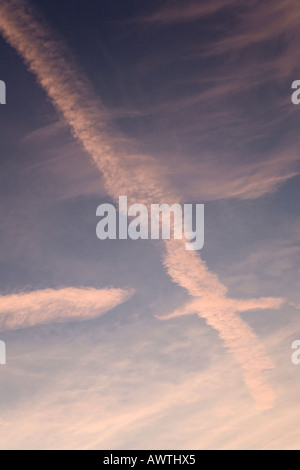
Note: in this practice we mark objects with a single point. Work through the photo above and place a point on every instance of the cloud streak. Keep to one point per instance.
(263, 22)
(229, 94)
(137, 177)
(175, 12)
(28, 309)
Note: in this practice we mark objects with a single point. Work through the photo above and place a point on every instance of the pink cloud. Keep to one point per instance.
(27, 309)
(174, 12)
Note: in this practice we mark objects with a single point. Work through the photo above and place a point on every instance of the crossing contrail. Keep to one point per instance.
(50, 60)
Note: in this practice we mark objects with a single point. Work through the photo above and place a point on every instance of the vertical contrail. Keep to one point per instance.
(51, 62)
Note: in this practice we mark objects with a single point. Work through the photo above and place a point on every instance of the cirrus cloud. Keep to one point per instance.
(27, 309)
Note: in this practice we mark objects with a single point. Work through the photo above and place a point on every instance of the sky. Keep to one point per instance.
(141, 344)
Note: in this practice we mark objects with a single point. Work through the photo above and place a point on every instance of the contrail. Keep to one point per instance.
(220, 312)
(27, 309)
(49, 59)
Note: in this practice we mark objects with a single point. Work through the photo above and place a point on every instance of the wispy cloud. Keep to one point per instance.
(128, 397)
(27, 309)
(263, 22)
(228, 94)
(245, 181)
(174, 12)
(60, 167)
(138, 177)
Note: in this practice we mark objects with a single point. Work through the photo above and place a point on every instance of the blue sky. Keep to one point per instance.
(164, 102)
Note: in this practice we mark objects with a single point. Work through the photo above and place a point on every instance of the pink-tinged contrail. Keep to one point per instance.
(138, 178)
(40, 307)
